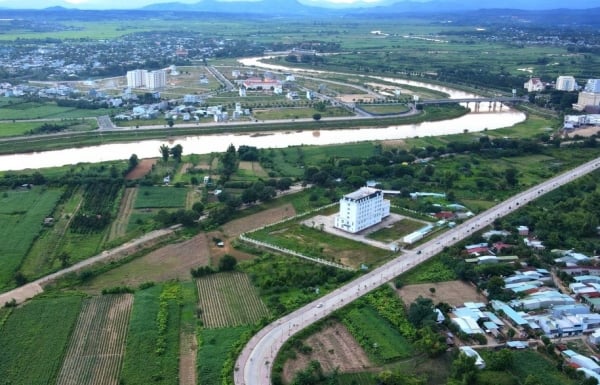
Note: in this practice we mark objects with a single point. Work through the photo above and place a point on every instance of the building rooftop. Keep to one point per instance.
(362, 192)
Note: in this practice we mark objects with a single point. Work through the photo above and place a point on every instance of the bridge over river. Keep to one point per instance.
(507, 99)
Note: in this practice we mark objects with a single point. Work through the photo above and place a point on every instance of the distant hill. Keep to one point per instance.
(270, 7)
(294, 7)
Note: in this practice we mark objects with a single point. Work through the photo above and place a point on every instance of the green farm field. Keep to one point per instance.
(97, 345)
(152, 352)
(228, 300)
(34, 340)
(213, 350)
(376, 336)
(22, 213)
(160, 197)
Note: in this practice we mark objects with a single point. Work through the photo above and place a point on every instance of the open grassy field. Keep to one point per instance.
(228, 300)
(21, 110)
(214, 348)
(397, 230)
(22, 213)
(298, 113)
(97, 345)
(385, 109)
(34, 340)
(160, 197)
(319, 244)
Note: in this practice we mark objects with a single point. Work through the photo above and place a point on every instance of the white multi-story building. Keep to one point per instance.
(147, 79)
(136, 78)
(593, 86)
(156, 79)
(362, 208)
(566, 83)
(589, 98)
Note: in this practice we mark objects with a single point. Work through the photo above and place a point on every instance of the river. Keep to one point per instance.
(486, 118)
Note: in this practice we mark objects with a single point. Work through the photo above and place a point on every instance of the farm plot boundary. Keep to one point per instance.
(97, 345)
(229, 299)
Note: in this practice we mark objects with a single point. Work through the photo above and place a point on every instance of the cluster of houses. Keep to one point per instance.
(249, 81)
(183, 112)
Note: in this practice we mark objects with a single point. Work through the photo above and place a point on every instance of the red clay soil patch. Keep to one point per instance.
(455, 293)
(251, 222)
(140, 171)
(334, 347)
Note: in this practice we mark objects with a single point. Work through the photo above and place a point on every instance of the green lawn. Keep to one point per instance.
(34, 339)
(160, 197)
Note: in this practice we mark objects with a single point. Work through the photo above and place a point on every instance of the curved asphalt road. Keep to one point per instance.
(253, 366)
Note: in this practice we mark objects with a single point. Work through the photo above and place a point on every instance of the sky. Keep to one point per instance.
(131, 4)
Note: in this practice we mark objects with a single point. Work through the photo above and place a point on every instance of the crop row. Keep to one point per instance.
(98, 343)
(229, 300)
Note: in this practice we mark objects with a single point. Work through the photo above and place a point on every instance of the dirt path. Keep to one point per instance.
(119, 226)
(31, 289)
(187, 358)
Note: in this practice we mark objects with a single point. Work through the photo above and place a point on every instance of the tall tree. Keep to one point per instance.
(176, 152)
(164, 152)
(229, 162)
(133, 161)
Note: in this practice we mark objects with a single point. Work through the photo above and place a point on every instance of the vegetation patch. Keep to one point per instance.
(22, 213)
(152, 350)
(381, 342)
(34, 340)
(97, 345)
(229, 299)
(433, 270)
(397, 230)
(160, 197)
(315, 243)
(214, 348)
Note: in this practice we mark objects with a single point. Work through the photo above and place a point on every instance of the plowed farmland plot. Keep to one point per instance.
(96, 348)
(229, 299)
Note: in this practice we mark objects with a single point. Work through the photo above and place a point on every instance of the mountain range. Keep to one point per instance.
(289, 7)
